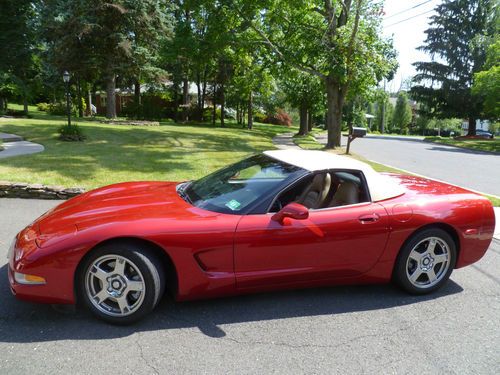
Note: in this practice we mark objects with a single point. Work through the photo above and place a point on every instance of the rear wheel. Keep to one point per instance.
(120, 283)
(426, 261)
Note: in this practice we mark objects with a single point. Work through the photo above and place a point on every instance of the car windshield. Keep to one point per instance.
(237, 187)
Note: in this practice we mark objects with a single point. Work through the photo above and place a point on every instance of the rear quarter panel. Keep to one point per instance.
(426, 202)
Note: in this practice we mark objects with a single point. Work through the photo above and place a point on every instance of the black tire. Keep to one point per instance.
(416, 265)
(141, 269)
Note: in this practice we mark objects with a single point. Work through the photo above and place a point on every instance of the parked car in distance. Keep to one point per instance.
(483, 133)
(276, 220)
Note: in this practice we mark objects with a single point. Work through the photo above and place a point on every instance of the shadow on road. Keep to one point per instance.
(461, 150)
(22, 322)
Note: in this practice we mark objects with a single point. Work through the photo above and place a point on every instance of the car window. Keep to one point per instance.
(324, 190)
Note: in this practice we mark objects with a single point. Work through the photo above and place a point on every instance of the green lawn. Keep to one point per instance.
(308, 142)
(114, 153)
(492, 145)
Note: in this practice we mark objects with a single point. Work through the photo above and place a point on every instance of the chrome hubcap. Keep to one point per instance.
(428, 262)
(114, 285)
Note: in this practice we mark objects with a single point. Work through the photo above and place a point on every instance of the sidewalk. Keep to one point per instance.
(496, 234)
(285, 142)
(14, 145)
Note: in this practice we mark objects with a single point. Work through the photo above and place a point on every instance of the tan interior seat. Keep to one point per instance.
(315, 194)
(347, 193)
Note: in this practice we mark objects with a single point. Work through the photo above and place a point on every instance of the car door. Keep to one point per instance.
(331, 243)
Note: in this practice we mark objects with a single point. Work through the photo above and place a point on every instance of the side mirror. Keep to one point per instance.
(292, 210)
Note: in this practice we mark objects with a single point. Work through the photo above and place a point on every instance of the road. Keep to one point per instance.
(347, 330)
(472, 169)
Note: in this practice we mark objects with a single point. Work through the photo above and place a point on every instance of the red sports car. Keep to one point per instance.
(281, 219)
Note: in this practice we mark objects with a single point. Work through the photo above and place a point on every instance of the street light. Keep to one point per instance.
(66, 78)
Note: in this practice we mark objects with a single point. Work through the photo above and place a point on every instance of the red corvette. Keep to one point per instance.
(281, 219)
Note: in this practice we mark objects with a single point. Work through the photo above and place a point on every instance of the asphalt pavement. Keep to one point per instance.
(475, 170)
(338, 330)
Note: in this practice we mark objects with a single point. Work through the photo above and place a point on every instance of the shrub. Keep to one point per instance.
(43, 107)
(279, 118)
(59, 109)
(375, 132)
(71, 133)
(16, 113)
(259, 117)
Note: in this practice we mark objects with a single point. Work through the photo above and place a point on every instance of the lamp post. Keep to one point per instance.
(66, 77)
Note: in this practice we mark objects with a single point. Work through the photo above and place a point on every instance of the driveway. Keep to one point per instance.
(472, 169)
(348, 330)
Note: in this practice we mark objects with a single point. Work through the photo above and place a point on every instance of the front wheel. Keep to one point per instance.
(426, 261)
(120, 283)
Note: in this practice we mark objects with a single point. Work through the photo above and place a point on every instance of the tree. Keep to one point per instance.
(444, 84)
(337, 41)
(402, 114)
(487, 82)
(18, 48)
(93, 38)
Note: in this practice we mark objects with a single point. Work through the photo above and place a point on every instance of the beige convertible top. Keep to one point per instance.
(381, 187)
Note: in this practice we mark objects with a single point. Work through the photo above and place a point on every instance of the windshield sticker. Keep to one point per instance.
(233, 204)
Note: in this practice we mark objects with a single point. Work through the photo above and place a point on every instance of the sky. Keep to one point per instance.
(407, 27)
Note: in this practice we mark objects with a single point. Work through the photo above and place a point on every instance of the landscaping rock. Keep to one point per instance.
(22, 190)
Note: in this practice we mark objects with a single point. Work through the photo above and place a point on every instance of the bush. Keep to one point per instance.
(279, 118)
(259, 117)
(43, 107)
(16, 113)
(375, 132)
(71, 133)
(59, 109)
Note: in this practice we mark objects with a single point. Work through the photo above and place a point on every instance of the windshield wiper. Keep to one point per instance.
(182, 192)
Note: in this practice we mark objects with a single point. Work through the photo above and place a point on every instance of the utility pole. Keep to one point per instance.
(382, 125)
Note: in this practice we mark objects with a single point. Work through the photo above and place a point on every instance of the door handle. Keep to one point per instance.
(367, 219)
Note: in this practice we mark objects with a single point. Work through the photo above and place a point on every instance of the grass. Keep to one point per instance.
(114, 153)
(308, 142)
(491, 145)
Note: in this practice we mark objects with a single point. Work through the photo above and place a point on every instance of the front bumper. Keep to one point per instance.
(22, 259)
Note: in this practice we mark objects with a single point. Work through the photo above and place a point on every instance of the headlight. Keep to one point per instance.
(10, 253)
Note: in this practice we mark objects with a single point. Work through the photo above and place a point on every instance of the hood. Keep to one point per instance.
(126, 202)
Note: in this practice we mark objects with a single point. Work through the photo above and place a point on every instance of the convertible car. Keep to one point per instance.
(280, 219)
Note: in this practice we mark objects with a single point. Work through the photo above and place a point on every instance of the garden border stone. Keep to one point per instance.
(38, 191)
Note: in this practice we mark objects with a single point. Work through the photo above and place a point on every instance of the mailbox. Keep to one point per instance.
(358, 132)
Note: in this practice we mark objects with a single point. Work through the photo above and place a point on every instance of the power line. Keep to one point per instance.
(406, 10)
(409, 18)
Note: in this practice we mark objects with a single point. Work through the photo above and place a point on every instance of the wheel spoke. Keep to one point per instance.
(101, 296)
(119, 266)
(431, 247)
(431, 275)
(415, 255)
(440, 258)
(99, 273)
(415, 275)
(123, 304)
(135, 286)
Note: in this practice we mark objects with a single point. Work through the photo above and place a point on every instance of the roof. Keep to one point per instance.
(381, 187)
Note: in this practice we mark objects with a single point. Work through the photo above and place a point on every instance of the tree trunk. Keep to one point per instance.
(472, 126)
(111, 96)
(79, 97)
(335, 100)
(176, 101)
(89, 103)
(1, 104)
(222, 104)
(250, 111)
(199, 105)
(214, 110)
(303, 119)
(309, 121)
(185, 99)
(137, 93)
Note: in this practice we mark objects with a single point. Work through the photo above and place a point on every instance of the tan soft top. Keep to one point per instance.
(380, 186)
